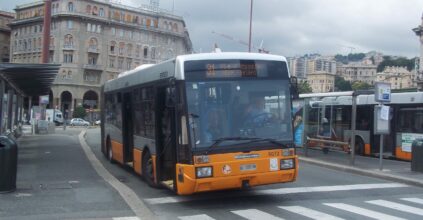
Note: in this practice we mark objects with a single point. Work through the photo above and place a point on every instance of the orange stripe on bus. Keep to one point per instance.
(153, 157)
(367, 149)
(402, 154)
(137, 161)
(117, 149)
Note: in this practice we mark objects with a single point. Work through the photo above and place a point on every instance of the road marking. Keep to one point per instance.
(415, 200)
(362, 211)
(397, 206)
(196, 217)
(310, 213)
(128, 195)
(280, 191)
(254, 214)
(126, 218)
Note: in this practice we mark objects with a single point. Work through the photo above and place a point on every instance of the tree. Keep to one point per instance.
(304, 87)
(360, 86)
(402, 61)
(79, 112)
(341, 84)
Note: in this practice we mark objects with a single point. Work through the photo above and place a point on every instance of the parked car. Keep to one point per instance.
(98, 122)
(79, 122)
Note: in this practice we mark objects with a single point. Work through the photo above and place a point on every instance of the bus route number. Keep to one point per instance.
(274, 154)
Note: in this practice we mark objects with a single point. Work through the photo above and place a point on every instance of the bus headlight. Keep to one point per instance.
(288, 152)
(287, 164)
(202, 172)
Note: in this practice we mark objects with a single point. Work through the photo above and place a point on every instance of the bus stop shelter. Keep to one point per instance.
(18, 81)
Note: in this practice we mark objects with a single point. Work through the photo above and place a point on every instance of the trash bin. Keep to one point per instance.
(417, 155)
(8, 164)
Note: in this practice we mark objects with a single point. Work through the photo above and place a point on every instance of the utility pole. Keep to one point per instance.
(251, 21)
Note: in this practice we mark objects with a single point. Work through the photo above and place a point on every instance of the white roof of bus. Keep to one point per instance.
(342, 98)
(153, 72)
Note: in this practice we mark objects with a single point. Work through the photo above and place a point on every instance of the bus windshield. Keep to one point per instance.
(237, 109)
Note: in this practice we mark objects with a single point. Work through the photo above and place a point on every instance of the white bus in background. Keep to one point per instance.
(406, 122)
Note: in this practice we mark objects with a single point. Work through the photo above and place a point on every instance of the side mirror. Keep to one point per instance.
(294, 87)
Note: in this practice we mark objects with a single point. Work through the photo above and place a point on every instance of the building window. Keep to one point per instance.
(112, 62)
(145, 52)
(121, 48)
(112, 47)
(153, 53)
(120, 63)
(92, 60)
(69, 75)
(93, 43)
(68, 41)
(113, 31)
(88, 10)
(129, 49)
(68, 57)
(101, 12)
(95, 10)
(69, 24)
(138, 51)
(70, 6)
(121, 33)
(128, 64)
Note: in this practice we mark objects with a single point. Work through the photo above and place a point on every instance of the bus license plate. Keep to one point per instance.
(248, 167)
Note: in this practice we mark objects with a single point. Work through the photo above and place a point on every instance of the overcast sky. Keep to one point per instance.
(296, 27)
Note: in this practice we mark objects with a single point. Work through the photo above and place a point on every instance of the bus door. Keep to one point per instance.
(166, 138)
(127, 128)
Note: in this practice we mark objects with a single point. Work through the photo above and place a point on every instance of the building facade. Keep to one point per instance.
(302, 66)
(5, 19)
(398, 77)
(94, 41)
(358, 71)
(321, 81)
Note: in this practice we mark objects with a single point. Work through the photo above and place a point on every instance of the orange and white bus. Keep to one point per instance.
(203, 122)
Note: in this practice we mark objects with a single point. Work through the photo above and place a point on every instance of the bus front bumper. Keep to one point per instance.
(187, 183)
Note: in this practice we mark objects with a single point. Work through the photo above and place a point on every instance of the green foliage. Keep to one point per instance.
(79, 112)
(341, 84)
(304, 87)
(402, 61)
(360, 86)
(352, 57)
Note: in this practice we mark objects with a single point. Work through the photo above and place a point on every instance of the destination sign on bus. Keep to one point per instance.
(215, 69)
(222, 70)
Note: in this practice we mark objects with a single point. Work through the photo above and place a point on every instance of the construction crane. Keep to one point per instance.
(349, 47)
(260, 49)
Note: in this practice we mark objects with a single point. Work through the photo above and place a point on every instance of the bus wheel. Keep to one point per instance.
(325, 150)
(109, 151)
(359, 146)
(147, 169)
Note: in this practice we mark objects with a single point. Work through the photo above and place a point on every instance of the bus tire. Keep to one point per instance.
(147, 169)
(109, 151)
(359, 146)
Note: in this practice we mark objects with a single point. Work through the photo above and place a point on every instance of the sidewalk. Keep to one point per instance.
(393, 170)
(55, 180)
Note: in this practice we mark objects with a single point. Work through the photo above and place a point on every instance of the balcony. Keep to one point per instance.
(93, 67)
(93, 50)
(69, 47)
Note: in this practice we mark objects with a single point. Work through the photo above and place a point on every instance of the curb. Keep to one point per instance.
(349, 169)
(127, 194)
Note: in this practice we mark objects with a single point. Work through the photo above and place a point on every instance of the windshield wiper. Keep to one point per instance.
(270, 140)
(220, 140)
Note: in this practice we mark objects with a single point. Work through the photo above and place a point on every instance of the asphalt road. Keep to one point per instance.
(319, 193)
